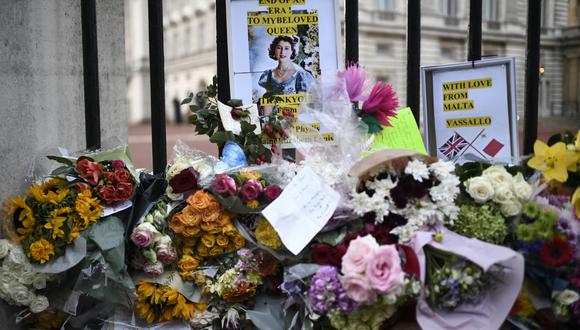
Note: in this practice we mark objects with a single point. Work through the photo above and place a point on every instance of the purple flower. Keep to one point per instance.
(117, 163)
(224, 185)
(251, 189)
(246, 253)
(327, 293)
(290, 288)
(355, 81)
(272, 192)
(154, 269)
(382, 103)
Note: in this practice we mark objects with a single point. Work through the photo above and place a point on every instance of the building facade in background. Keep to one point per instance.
(190, 47)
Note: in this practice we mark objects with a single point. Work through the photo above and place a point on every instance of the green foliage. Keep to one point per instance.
(483, 222)
(373, 124)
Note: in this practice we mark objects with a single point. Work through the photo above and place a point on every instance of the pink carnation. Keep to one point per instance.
(359, 252)
(382, 103)
(355, 81)
(384, 269)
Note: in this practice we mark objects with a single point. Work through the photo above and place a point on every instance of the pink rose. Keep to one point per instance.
(122, 175)
(272, 192)
(117, 163)
(165, 251)
(359, 252)
(251, 189)
(124, 191)
(80, 186)
(154, 269)
(358, 288)
(90, 171)
(384, 269)
(144, 234)
(224, 185)
(109, 177)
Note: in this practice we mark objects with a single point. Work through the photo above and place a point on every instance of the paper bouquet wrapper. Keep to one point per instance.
(396, 158)
(493, 308)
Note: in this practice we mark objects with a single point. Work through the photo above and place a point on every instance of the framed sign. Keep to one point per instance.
(470, 110)
(278, 48)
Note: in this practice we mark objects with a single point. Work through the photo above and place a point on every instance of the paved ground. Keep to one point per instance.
(140, 138)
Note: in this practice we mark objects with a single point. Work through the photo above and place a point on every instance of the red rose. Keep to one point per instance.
(184, 181)
(272, 192)
(124, 191)
(324, 254)
(410, 261)
(109, 177)
(251, 189)
(107, 193)
(90, 171)
(122, 175)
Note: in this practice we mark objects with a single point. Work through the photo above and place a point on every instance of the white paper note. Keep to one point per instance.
(230, 124)
(302, 210)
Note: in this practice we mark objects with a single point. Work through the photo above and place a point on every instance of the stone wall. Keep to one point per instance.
(41, 89)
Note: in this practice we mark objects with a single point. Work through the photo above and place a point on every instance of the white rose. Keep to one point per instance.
(479, 189)
(4, 248)
(566, 297)
(26, 277)
(521, 188)
(497, 175)
(17, 257)
(503, 194)
(39, 281)
(21, 294)
(39, 304)
(511, 208)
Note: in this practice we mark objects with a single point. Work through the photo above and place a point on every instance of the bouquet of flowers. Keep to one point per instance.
(407, 192)
(247, 191)
(50, 217)
(154, 247)
(190, 170)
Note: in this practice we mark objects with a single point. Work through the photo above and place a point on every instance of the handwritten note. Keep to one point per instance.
(302, 209)
(230, 124)
(404, 134)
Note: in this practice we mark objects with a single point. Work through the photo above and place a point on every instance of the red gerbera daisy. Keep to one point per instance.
(556, 252)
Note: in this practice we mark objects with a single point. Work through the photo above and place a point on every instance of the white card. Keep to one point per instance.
(116, 208)
(230, 124)
(302, 210)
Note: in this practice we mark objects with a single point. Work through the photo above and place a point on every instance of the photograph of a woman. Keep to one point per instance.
(287, 77)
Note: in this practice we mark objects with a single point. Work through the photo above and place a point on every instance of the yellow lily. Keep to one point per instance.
(552, 161)
(576, 201)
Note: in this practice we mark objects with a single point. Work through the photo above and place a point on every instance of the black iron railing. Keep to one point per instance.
(90, 63)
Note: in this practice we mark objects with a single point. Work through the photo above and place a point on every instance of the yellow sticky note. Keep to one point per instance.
(404, 134)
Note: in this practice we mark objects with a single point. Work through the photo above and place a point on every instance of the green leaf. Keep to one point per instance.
(373, 124)
(192, 119)
(61, 160)
(247, 127)
(194, 108)
(235, 103)
(62, 170)
(222, 137)
(186, 100)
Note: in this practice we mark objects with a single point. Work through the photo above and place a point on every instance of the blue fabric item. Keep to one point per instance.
(232, 156)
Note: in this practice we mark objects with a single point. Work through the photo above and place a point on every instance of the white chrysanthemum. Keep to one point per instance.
(361, 203)
(418, 170)
(442, 169)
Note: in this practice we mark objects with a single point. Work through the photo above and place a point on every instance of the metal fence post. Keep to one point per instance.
(532, 75)
(475, 13)
(91, 74)
(351, 32)
(223, 74)
(414, 57)
(155, 11)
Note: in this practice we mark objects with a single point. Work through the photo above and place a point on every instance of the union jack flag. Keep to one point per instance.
(453, 146)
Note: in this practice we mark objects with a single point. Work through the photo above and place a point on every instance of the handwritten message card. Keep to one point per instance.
(302, 209)
(404, 134)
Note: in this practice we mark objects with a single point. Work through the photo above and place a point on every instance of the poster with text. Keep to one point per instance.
(276, 53)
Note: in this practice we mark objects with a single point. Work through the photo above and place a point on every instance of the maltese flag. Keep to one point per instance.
(493, 147)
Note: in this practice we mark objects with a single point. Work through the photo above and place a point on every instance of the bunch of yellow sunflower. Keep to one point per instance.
(560, 164)
(206, 230)
(161, 303)
(49, 217)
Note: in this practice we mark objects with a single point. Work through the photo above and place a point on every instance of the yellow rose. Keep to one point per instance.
(229, 230)
(187, 251)
(216, 251)
(222, 240)
(202, 250)
(187, 263)
(247, 174)
(239, 241)
(190, 232)
(199, 278)
(211, 228)
(190, 241)
(208, 240)
(191, 217)
(231, 247)
(253, 203)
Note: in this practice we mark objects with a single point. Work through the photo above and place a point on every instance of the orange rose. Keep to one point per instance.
(239, 241)
(176, 223)
(191, 217)
(199, 278)
(202, 250)
(202, 200)
(224, 219)
(190, 232)
(187, 263)
(210, 228)
(210, 215)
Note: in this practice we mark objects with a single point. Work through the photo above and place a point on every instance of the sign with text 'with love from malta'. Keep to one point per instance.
(470, 110)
